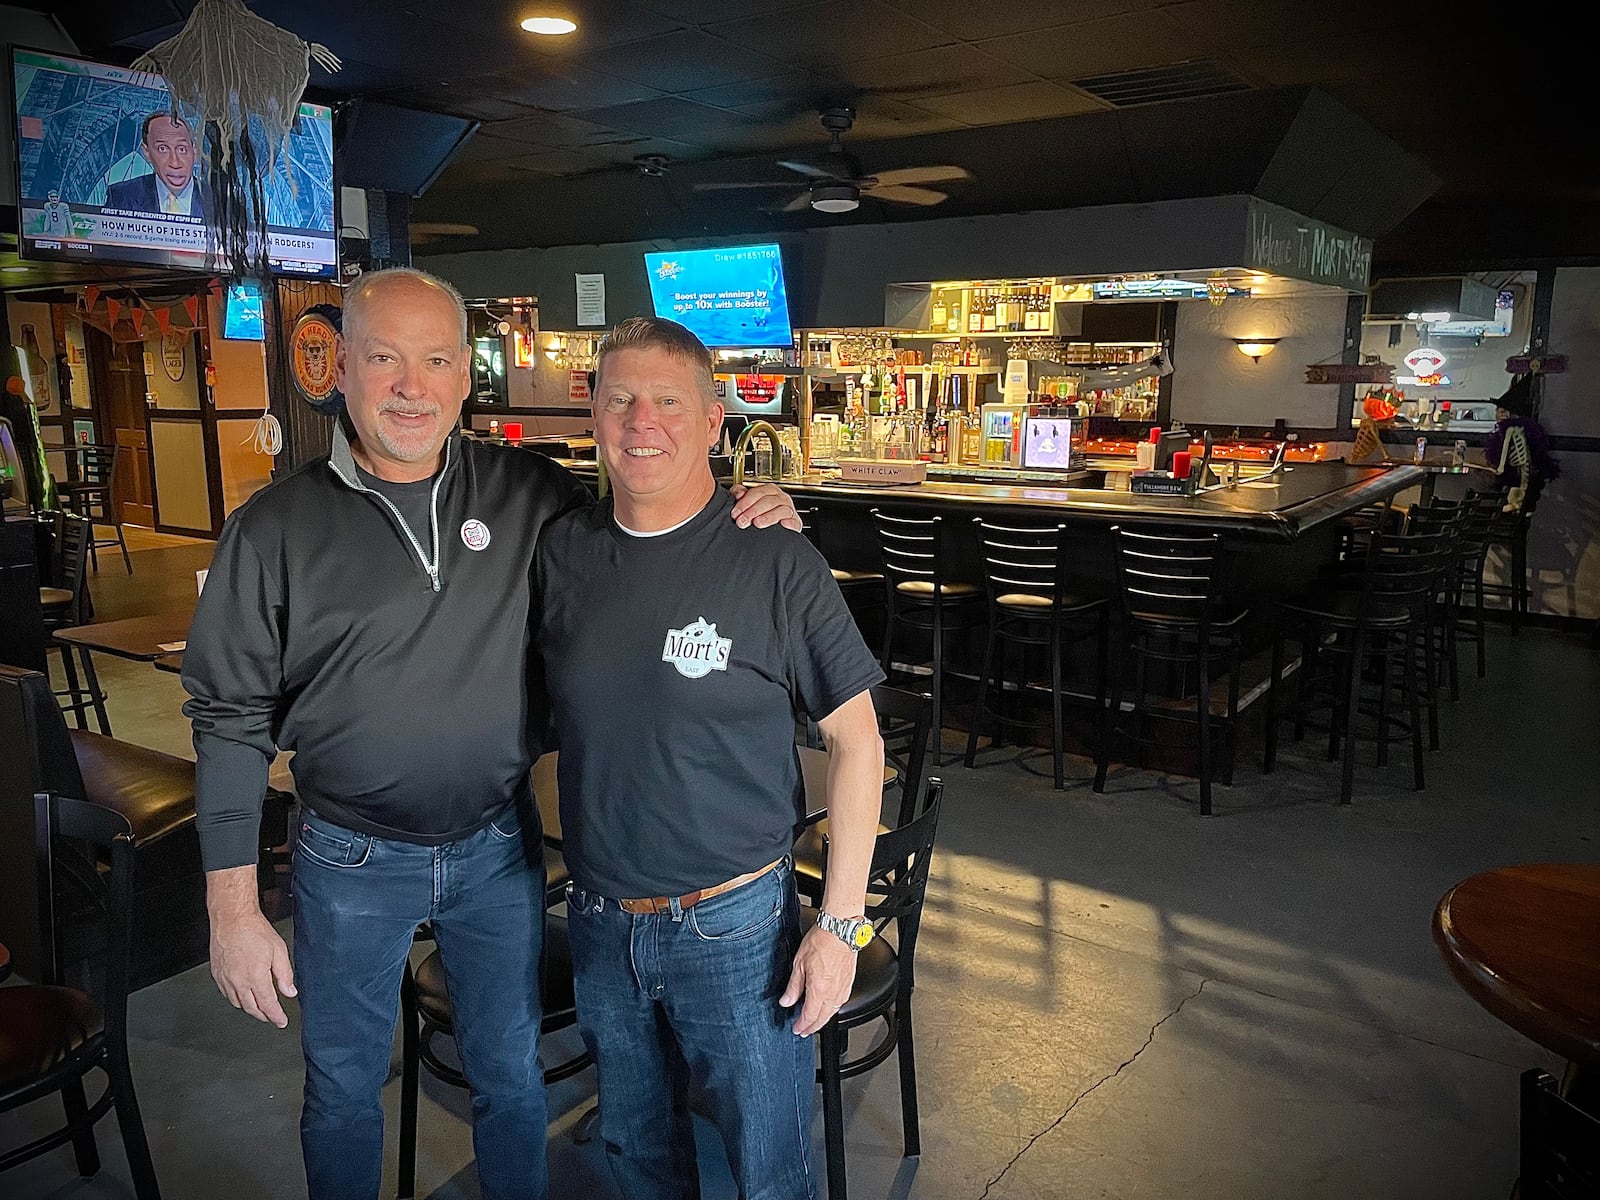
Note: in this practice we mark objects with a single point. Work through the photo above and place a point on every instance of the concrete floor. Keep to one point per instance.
(1116, 998)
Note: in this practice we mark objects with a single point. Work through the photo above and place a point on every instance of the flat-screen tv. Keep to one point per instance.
(105, 175)
(730, 296)
(243, 320)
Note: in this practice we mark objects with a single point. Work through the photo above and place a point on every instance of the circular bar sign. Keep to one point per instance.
(311, 349)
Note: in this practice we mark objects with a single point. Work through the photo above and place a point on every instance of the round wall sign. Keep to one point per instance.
(173, 362)
(311, 357)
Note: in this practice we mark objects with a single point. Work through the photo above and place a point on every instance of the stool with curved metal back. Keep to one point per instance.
(885, 977)
(920, 595)
(1025, 570)
(1173, 612)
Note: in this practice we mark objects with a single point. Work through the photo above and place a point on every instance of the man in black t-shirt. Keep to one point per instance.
(676, 659)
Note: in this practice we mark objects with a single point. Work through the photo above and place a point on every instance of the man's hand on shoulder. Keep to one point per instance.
(249, 961)
(824, 969)
(763, 505)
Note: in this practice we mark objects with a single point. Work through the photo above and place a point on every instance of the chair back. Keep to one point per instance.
(1405, 571)
(906, 722)
(98, 465)
(912, 550)
(1168, 575)
(99, 834)
(1560, 1145)
(898, 879)
(74, 534)
(808, 524)
(36, 752)
(1030, 560)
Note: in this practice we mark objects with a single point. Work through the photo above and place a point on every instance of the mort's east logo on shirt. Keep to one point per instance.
(696, 650)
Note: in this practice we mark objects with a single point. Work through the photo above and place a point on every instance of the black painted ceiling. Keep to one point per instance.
(1002, 87)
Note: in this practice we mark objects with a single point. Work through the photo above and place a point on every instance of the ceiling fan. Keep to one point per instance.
(837, 182)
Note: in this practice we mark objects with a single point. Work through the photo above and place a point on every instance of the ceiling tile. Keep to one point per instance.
(933, 72)
(559, 86)
(995, 18)
(839, 31)
(623, 152)
(813, 89)
(554, 162)
(878, 117)
(666, 117)
(552, 129)
(457, 100)
(1094, 47)
(681, 61)
(1003, 105)
(485, 147)
(701, 12)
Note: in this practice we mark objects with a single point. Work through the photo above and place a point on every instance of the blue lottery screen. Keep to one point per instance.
(728, 295)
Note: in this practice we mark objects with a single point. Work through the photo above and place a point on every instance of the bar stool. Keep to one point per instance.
(1510, 531)
(93, 497)
(1482, 509)
(858, 586)
(1173, 612)
(1384, 620)
(1449, 521)
(63, 608)
(1029, 605)
(918, 595)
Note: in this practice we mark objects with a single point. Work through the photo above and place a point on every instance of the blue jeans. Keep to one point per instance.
(357, 902)
(673, 998)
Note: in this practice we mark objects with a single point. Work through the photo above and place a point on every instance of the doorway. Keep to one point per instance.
(119, 386)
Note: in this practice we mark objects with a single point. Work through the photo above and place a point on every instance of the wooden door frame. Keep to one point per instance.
(100, 408)
(211, 456)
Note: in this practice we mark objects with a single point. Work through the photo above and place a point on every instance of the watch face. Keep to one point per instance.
(863, 935)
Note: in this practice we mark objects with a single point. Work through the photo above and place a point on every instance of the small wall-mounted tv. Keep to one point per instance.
(243, 320)
(105, 175)
(730, 296)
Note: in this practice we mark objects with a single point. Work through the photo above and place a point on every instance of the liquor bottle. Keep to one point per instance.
(991, 304)
(1015, 311)
(1030, 316)
(974, 312)
(941, 312)
(954, 324)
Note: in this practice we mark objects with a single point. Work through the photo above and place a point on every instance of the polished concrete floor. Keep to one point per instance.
(1116, 997)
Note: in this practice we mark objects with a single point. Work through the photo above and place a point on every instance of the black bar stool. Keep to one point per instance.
(860, 588)
(1029, 605)
(1382, 622)
(64, 607)
(94, 496)
(1173, 613)
(919, 595)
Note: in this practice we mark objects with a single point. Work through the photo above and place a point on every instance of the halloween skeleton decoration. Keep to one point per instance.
(243, 77)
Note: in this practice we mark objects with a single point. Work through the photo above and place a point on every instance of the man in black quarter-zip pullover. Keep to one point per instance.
(370, 612)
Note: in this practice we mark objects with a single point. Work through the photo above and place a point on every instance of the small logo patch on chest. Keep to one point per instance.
(474, 534)
(696, 650)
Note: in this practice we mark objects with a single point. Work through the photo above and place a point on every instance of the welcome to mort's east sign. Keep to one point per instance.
(1283, 242)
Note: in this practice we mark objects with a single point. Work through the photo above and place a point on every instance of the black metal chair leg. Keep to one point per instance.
(1477, 621)
(1352, 706)
(123, 542)
(1433, 694)
(1102, 686)
(1383, 704)
(937, 733)
(84, 1149)
(1230, 729)
(1057, 734)
(983, 693)
(1415, 710)
(96, 696)
(833, 1109)
(134, 1143)
(79, 704)
(908, 1078)
(1269, 756)
(1203, 713)
(410, 1052)
(1113, 718)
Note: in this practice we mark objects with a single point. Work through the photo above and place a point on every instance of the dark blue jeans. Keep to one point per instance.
(671, 999)
(357, 902)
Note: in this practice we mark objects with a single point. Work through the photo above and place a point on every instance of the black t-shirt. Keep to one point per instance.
(414, 500)
(676, 665)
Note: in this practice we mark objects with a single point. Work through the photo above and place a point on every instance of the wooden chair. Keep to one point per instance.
(55, 1035)
(885, 978)
(93, 496)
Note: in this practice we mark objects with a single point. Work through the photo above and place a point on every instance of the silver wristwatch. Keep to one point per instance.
(855, 932)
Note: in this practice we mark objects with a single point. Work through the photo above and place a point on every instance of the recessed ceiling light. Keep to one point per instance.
(549, 26)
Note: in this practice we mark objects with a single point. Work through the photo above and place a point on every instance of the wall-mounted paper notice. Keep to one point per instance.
(591, 299)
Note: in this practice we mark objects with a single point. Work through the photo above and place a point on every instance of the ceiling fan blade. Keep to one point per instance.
(811, 170)
(913, 175)
(907, 195)
(765, 183)
(799, 204)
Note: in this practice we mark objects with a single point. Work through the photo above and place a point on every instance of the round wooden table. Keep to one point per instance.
(1525, 943)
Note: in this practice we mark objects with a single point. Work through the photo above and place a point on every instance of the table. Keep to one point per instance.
(138, 638)
(171, 662)
(1524, 942)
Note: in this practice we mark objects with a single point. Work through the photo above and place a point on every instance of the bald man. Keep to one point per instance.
(370, 611)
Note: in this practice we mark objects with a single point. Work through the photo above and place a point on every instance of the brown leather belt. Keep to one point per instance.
(661, 904)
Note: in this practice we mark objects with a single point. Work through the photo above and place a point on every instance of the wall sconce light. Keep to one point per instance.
(1256, 348)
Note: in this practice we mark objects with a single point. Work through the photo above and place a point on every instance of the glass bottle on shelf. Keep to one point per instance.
(991, 304)
(953, 325)
(971, 437)
(941, 312)
(974, 311)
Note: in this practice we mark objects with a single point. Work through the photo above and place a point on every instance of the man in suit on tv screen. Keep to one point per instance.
(171, 187)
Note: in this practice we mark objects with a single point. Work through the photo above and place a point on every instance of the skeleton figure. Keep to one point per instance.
(1518, 449)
